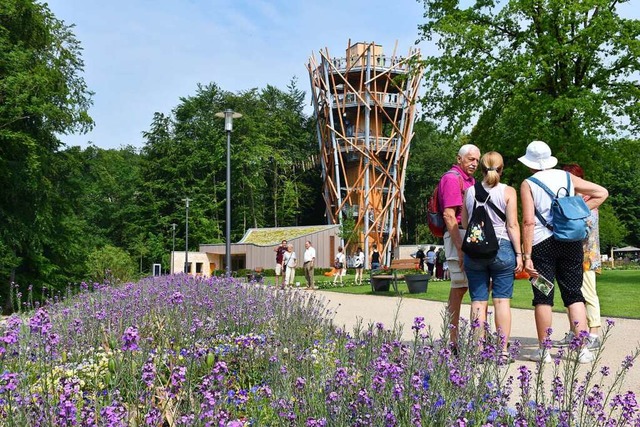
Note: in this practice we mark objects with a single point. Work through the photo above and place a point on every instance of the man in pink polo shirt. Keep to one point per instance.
(451, 195)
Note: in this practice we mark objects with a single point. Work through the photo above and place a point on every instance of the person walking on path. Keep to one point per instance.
(340, 266)
(358, 263)
(591, 265)
(309, 262)
(500, 269)
(279, 250)
(450, 194)
(548, 257)
(289, 263)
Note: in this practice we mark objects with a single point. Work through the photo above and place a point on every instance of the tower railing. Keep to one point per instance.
(383, 62)
(351, 99)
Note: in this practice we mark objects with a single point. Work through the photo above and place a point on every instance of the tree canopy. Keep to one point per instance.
(42, 94)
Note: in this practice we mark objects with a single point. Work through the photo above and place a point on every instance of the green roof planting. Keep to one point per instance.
(273, 236)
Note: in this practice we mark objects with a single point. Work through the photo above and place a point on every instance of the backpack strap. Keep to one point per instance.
(568, 188)
(540, 184)
(481, 192)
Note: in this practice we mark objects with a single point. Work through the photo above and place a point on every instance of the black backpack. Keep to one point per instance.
(480, 238)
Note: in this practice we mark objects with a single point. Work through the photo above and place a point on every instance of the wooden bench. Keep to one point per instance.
(397, 264)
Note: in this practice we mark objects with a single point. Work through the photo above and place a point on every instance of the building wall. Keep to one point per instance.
(206, 261)
(325, 242)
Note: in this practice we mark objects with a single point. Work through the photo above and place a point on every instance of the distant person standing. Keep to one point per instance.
(280, 250)
(340, 265)
(309, 262)
(451, 190)
(289, 263)
(420, 256)
(441, 260)
(358, 263)
(431, 259)
(375, 258)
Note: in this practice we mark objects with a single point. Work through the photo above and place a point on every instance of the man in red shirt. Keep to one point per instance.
(451, 197)
(279, 250)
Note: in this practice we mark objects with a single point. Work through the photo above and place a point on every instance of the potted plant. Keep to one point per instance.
(417, 280)
(381, 279)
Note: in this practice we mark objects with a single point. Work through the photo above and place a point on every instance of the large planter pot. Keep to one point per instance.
(417, 283)
(380, 284)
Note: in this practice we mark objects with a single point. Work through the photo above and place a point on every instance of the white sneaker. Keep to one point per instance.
(593, 342)
(586, 356)
(541, 355)
(564, 342)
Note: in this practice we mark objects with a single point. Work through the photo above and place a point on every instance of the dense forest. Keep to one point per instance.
(67, 214)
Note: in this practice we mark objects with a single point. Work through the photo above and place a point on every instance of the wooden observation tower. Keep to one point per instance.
(365, 108)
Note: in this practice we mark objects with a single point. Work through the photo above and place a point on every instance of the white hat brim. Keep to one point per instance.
(539, 165)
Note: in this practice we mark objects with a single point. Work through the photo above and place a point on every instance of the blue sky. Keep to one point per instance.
(141, 56)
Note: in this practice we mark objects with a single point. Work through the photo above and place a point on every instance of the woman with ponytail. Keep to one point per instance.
(495, 275)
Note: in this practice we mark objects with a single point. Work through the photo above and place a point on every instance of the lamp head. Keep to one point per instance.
(228, 116)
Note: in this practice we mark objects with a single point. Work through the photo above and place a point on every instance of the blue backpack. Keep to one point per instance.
(569, 213)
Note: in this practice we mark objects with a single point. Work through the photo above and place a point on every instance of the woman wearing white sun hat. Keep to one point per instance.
(546, 256)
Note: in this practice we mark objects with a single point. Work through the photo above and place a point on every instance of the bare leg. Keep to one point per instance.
(479, 311)
(455, 301)
(578, 317)
(502, 308)
(542, 313)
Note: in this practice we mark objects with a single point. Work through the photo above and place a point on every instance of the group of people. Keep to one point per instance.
(534, 249)
(287, 261)
(435, 261)
(340, 264)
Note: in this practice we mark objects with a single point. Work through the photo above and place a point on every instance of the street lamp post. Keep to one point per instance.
(186, 240)
(228, 116)
(173, 247)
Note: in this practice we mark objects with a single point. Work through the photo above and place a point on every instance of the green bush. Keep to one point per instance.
(111, 264)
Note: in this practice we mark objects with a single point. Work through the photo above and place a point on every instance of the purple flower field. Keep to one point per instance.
(185, 351)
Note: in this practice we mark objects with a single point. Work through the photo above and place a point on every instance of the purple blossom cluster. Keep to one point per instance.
(187, 351)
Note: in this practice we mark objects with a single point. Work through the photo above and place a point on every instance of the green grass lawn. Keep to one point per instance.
(619, 292)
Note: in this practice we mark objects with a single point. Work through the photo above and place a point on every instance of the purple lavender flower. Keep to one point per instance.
(152, 418)
(130, 339)
(177, 298)
(627, 363)
(8, 382)
(425, 381)
(40, 323)
(418, 324)
(149, 372)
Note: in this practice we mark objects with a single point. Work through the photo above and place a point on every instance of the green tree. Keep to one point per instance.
(612, 231)
(432, 154)
(42, 94)
(185, 155)
(561, 71)
(110, 263)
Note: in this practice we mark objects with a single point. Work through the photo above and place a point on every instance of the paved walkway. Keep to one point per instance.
(623, 340)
